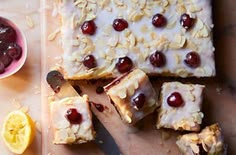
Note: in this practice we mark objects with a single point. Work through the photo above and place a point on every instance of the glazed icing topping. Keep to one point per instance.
(139, 40)
(188, 116)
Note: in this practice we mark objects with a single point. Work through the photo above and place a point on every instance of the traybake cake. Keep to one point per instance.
(71, 120)
(105, 38)
(133, 96)
(181, 106)
(208, 142)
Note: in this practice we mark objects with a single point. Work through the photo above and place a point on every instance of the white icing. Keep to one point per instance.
(73, 55)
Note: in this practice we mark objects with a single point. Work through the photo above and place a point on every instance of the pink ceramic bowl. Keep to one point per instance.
(15, 65)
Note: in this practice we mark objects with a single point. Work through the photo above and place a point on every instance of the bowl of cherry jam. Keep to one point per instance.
(13, 48)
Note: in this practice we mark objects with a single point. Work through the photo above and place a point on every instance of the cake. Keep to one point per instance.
(133, 96)
(105, 38)
(180, 106)
(71, 120)
(209, 141)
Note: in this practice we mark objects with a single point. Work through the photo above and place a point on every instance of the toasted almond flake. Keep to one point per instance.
(182, 72)
(128, 119)
(142, 4)
(131, 91)
(92, 1)
(38, 126)
(195, 8)
(119, 2)
(135, 1)
(113, 41)
(53, 35)
(165, 3)
(137, 17)
(177, 59)
(16, 103)
(122, 94)
(195, 148)
(29, 21)
(147, 12)
(75, 42)
(140, 39)
(171, 24)
(91, 16)
(132, 40)
(199, 24)
(192, 45)
(24, 109)
(204, 32)
(181, 8)
(174, 45)
(144, 28)
(109, 9)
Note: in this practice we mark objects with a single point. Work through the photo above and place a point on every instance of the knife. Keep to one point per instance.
(63, 89)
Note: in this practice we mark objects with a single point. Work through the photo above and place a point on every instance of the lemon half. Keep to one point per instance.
(18, 131)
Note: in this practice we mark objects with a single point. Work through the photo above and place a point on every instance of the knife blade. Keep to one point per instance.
(63, 89)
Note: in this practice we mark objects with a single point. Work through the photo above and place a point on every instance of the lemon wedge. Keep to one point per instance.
(18, 131)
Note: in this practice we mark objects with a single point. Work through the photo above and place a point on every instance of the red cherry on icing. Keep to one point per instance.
(120, 24)
(73, 116)
(186, 21)
(192, 59)
(124, 64)
(90, 62)
(89, 27)
(139, 101)
(158, 20)
(175, 100)
(157, 59)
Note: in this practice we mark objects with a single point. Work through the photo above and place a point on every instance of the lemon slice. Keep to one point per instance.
(18, 131)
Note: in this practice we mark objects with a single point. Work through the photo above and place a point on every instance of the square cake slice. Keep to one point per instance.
(133, 96)
(209, 141)
(160, 37)
(180, 106)
(72, 120)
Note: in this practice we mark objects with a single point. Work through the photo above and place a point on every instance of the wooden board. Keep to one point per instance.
(219, 100)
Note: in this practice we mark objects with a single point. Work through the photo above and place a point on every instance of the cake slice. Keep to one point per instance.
(71, 120)
(180, 106)
(209, 141)
(133, 96)
(105, 38)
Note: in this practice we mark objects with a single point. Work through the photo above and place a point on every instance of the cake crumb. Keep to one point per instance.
(24, 109)
(219, 90)
(38, 126)
(100, 142)
(161, 143)
(165, 135)
(29, 22)
(16, 103)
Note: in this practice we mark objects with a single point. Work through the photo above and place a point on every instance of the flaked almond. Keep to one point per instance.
(29, 21)
(53, 35)
(119, 2)
(195, 148)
